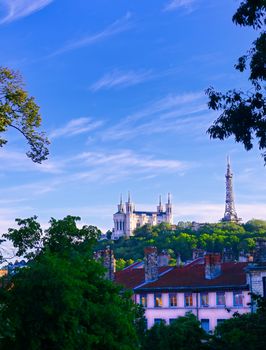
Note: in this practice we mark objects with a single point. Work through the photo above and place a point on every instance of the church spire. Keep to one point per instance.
(160, 207)
(230, 214)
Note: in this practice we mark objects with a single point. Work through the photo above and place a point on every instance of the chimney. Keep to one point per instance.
(260, 251)
(106, 256)
(212, 262)
(163, 258)
(197, 253)
(228, 255)
(150, 263)
(178, 260)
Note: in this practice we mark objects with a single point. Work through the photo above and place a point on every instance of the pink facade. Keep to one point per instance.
(212, 314)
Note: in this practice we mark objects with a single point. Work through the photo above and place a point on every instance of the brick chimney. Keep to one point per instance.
(106, 256)
(163, 258)
(212, 262)
(150, 263)
(260, 251)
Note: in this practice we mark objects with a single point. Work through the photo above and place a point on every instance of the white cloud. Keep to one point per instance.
(120, 79)
(76, 127)
(18, 161)
(21, 8)
(177, 4)
(121, 25)
(213, 212)
(172, 113)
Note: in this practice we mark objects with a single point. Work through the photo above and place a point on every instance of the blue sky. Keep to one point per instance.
(121, 89)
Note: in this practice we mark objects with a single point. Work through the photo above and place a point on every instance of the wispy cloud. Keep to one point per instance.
(177, 4)
(171, 113)
(76, 127)
(13, 160)
(118, 78)
(213, 212)
(16, 9)
(121, 25)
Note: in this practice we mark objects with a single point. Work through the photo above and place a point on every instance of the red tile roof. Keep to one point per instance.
(134, 276)
(187, 277)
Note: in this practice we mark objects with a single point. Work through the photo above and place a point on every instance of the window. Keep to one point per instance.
(220, 299)
(158, 320)
(143, 300)
(158, 300)
(172, 320)
(145, 323)
(238, 299)
(220, 320)
(188, 300)
(204, 299)
(205, 324)
(172, 300)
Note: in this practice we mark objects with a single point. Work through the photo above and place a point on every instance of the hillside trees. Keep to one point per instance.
(61, 300)
(210, 237)
(19, 111)
(243, 112)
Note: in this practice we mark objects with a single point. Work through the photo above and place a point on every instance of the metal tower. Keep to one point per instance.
(230, 214)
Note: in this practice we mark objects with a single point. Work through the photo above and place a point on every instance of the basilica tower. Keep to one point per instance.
(230, 214)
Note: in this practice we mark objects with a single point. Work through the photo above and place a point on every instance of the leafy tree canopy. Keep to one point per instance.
(245, 331)
(61, 300)
(19, 111)
(243, 112)
(185, 333)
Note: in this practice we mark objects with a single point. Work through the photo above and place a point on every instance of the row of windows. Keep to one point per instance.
(205, 322)
(188, 299)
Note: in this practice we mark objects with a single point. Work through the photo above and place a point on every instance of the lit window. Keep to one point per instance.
(172, 299)
(238, 299)
(188, 300)
(158, 300)
(204, 299)
(143, 300)
(220, 299)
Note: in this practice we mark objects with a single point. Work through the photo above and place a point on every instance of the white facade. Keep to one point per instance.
(127, 219)
(210, 314)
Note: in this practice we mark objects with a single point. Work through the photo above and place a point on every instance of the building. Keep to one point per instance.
(209, 288)
(127, 219)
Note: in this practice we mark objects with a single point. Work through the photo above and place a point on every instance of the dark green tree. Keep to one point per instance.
(185, 333)
(19, 111)
(245, 331)
(61, 300)
(243, 112)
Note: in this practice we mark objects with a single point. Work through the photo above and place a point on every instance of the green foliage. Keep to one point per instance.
(245, 331)
(31, 240)
(19, 111)
(243, 112)
(61, 300)
(185, 333)
(210, 237)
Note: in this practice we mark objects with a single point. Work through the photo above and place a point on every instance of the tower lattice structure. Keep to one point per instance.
(230, 214)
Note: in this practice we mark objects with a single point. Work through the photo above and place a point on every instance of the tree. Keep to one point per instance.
(61, 300)
(245, 331)
(19, 111)
(243, 112)
(184, 333)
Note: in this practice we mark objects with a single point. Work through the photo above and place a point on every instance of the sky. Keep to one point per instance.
(121, 89)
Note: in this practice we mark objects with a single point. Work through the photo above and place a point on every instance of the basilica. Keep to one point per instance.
(127, 219)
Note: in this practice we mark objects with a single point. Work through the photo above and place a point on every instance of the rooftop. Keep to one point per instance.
(190, 277)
